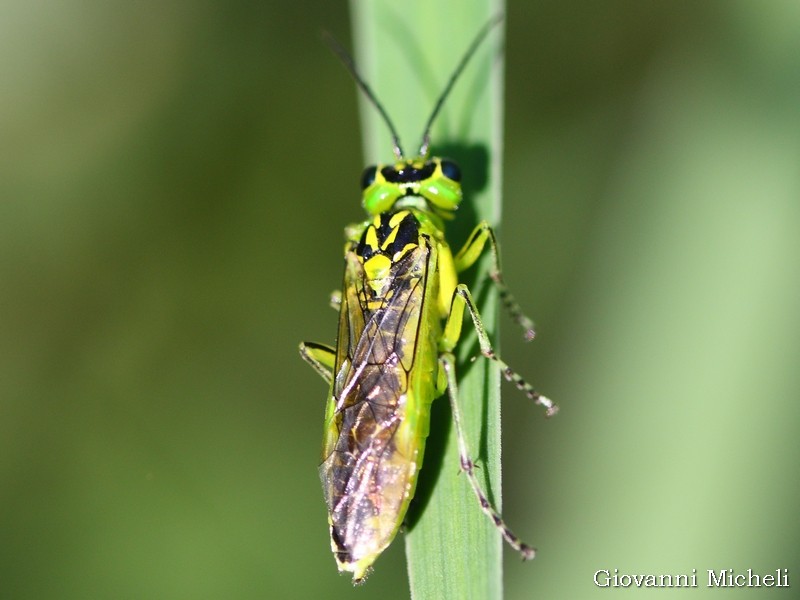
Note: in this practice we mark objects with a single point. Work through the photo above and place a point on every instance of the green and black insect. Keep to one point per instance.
(401, 310)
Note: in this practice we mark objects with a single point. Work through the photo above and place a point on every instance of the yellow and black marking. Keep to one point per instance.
(384, 243)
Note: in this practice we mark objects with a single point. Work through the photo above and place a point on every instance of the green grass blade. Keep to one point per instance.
(407, 51)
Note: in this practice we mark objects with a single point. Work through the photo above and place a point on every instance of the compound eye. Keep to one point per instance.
(451, 170)
(368, 177)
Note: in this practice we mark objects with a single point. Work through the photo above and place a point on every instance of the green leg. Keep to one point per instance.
(447, 364)
(322, 358)
(467, 256)
(462, 299)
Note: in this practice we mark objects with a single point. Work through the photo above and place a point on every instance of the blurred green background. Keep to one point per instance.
(174, 179)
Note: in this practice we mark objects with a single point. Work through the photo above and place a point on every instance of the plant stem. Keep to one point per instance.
(407, 51)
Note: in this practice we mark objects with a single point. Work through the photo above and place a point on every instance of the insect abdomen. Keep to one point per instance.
(382, 389)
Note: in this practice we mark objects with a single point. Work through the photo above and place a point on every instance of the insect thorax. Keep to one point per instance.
(383, 245)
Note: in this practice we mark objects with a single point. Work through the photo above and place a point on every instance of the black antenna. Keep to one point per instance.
(350, 64)
(426, 136)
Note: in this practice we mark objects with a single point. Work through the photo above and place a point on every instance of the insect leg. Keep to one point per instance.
(467, 256)
(447, 363)
(462, 299)
(321, 358)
